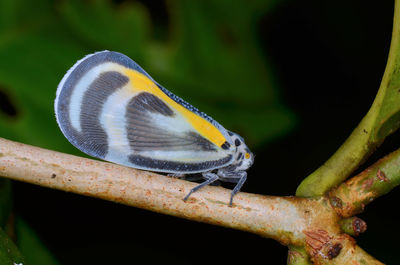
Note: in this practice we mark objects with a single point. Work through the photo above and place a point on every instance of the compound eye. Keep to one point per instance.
(237, 142)
(247, 155)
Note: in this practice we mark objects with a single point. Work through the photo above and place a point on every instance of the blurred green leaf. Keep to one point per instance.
(9, 254)
(32, 247)
(105, 26)
(212, 59)
(5, 201)
(215, 63)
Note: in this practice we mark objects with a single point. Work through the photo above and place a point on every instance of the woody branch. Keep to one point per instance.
(310, 224)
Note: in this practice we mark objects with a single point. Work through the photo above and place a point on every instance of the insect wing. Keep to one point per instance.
(110, 108)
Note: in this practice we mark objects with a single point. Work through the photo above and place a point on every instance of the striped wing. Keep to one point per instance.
(110, 108)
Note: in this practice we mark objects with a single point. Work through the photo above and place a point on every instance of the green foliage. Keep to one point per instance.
(33, 249)
(9, 254)
(211, 60)
(5, 201)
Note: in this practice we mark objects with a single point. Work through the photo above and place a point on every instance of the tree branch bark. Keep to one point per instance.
(311, 224)
(280, 218)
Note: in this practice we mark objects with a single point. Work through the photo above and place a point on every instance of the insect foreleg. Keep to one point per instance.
(210, 178)
(240, 179)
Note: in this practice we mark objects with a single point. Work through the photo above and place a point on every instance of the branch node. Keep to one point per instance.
(382, 176)
(334, 250)
(353, 226)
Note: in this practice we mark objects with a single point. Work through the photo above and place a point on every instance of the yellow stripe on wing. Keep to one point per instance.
(201, 125)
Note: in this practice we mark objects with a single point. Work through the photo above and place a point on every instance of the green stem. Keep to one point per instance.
(298, 256)
(341, 164)
(382, 119)
(353, 226)
(351, 197)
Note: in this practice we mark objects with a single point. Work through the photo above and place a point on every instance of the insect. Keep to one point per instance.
(110, 108)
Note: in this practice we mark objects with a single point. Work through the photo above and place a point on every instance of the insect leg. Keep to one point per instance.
(242, 179)
(210, 178)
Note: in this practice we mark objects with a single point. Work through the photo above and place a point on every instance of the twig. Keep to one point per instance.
(353, 226)
(311, 224)
(351, 197)
(267, 216)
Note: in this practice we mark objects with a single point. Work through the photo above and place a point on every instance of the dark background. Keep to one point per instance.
(293, 78)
